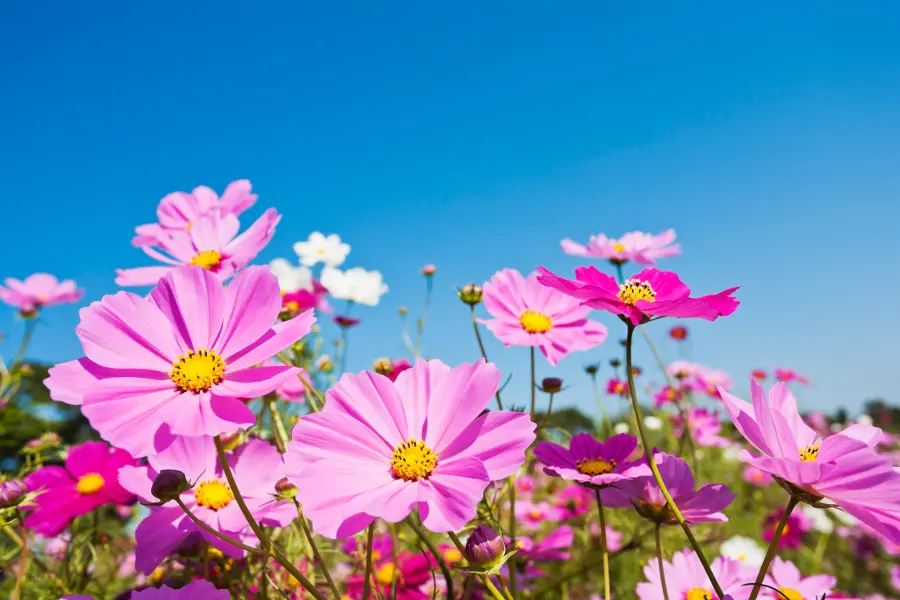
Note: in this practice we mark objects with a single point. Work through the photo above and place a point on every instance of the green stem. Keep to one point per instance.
(315, 549)
(278, 429)
(484, 578)
(345, 340)
(217, 533)
(533, 385)
(30, 326)
(35, 559)
(395, 571)
(549, 412)
(513, 583)
(367, 578)
(483, 353)
(648, 451)
(659, 558)
(445, 570)
(773, 547)
(420, 325)
(599, 395)
(603, 547)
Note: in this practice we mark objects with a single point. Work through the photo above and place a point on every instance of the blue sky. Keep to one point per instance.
(476, 138)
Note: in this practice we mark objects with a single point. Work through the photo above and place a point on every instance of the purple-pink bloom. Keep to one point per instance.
(527, 313)
(790, 375)
(785, 577)
(256, 465)
(199, 589)
(797, 525)
(37, 291)
(704, 426)
(756, 477)
(573, 501)
(179, 361)
(589, 461)
(650, 293)
(844, 468)
(667, 395)
(87, 481)
(687, 580)
(617, 387)
(532, 515)
(387, 448)
(642, 248)
(212, 243)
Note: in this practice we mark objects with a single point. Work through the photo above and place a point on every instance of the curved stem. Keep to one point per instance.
(533, 385)
(648, 451)
(483, 353)
(367, 578)
(217, 533)
(445, 570)
(315, 549)
(603, 547)
(659, 558)
(484, 578)
(773, 547)
(278, 429)
(26, 339)
(513, 583)
(23, 564)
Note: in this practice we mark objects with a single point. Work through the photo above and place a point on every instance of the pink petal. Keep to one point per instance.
(257, 468)
(451, 494)
(372, 400)
(272, 342)
(251, 305)
(140, 275)
(246, 246)
(156, 538)
(255, 382)
(459, 397)
(89, 457)
(193, 301)
(138, 481)
(207, 413)
(497, 439)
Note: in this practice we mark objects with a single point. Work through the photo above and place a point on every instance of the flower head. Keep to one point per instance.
(704, 426)
(790, 375)
(758, 374)
(793, 531)
(485, 547)
(617, 387)
(391, 368)
(678, 333)
(785, 577)
(525, 313)
(754, 476)
(687, 580)
(667, 395)
(389, 447)
(642, 248)
(37, 291)
(572, 501)
(199, 589)
(319, 248)
(470, 294)
(179, 361)
(589, 461)
(12, 492)
(743, 549)
(532, 515)
(356, 284)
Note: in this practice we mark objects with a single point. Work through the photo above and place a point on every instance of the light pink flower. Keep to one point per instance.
(212, 243)
(179, 361)
(785, 577)
(687, 580)
(705, 427)
(527, 313)
(37, 291)
(613, 536)
(756, 477)
(648, 294)
(642, 248)
(387, 448)
(708, 381)
(533, 514)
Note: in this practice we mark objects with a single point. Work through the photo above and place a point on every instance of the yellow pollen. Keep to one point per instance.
(452, 555)
(699, 594)
(634, 289)
(791, 594)
(213, 494)
(535, 514)
(785, 529)
(595, 466)
(198, 371)
(208, 259)
(90, 483)
(413, 460)
(385, 574)
(809, 453)
(618, 247)
(535, 322)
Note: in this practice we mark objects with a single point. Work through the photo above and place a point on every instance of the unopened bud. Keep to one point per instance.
(591, 369)
(678, 333)
(384, 366)
(12, 492)
(230, 441)
(551, 385)
(403, 311)
(169, 484)
(485, 547)
(615, 363)
(470, 293)
(429, 270)
(285, 488)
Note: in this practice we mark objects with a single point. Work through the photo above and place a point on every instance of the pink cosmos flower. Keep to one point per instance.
(292, 388)
(389, 447)
(790, 375)
(179, 211)
(642, 248)
(212, 243)
(686, 579)
(413, 571)
(757, 477)
(527, 313)
(591, 462)
(682, 369)
(617, 387)
(642, 493)
(553, 547)
(179, 361)
(708, 381)
(705, 427)
(785, 577)
(37, 291)
(533, 514)
(648, 294)
(798, 524)
(573, 501)
(299, 301)
(199, 589)
(256, 465)
(758, 374)
(844, 468)
(667, 395)
(613, 536)
(391, 368)
(87, 481)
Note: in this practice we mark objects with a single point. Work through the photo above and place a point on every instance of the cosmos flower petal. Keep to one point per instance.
(156, 539)
(255, 382)
(497, 439)
(140, 276)
(276, 339)
(372, 400)
(193, 300)
(554, 455)
(461, 395)
(257, 464)
(137, 480)
(451, 494)
(252, 302)
(207, 413)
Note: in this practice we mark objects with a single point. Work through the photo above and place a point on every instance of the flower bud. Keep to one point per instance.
(591, 369)
(429, 270)
(551, 385)
(470, 294)
(345, 322)
(169, 484)
(485, 547)
(615, 363)
(403, 311)
(48, 440)
(678, 333)
(384, 366)
(231, 440)
(12, 492)
(285, 488)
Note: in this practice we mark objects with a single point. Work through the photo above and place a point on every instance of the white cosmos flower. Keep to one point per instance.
(291, 278)
(621, 428)
(356, 284)
(322, 249)
(743, 549)
(653, 423)
(818, 518)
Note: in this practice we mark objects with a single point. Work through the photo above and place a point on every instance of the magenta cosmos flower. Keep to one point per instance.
(212, 243)
(790, 375)
(179, 361)
(642, 493)
(705, 427)
(178, 211)
(87, 481)
(527, 313)
(591, 462)
(412, 570)
(648, 294)
(389, 447)
(797, 525)
(37, 291)
(256, 465)
(844, 468)
(785, 577)
(687, 580)
(199, 589)
(642, 248)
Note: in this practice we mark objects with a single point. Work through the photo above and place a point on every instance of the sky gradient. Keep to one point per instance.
(476, 139)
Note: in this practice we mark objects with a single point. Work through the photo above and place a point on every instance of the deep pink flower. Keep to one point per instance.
(798, 524)
(790, 375)
(756, 477)
(299, 301)
(678, 333)
(413, 571)
(642, 493)
(617, 387)
(844, 468)
(179, 361)
(588, 461)
(345, 322)
(387, 448)
(758, 374)
(527, 313)
(573, 501)
(256, 465)
(667, 395)
(785, 577)
(687, 580)
(553, 547)
(705, 427)
(212, 243)
(642, 248)
(648, 294)
(37, 291)
(199, 589)
(87, 481)
(532, 515)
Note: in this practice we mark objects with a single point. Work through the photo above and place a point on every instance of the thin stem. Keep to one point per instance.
(23, 564)
(445, 570)
(773, 547)
(549, 412)
(311, 390)
(533, 384)
(603, 547)
(30, 326)
(367, 578)
(217, 533)
(315, 549)
(599, 395)
(420, 325)
(345, 340)
(483, 353)
(395, 543)
(659, 558)
(35, 560)
(278, 429)
(484, 578)
(513, 583)
(648, 451)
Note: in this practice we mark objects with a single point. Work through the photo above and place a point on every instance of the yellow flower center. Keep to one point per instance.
(90, 483)
(595, 466)
(213, 493)
(452, 555)
(618, 247)
(208, 259)
(791, 594)
(535, 322)
(385, 574)
(413, 460)
(198, 371)
(809, 453)
(535, 515)
(699, 594)
(634, 289)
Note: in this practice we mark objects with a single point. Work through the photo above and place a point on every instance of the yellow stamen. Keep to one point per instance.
(618, 247)
(535, 322)
(198, 371)
(791, 594)
(699, 594)
(208, 259)
(385, 574)
(413, 460)
(595, 466)
(88, 484)
(634, 289)
(809, 453)
(452, 555)
(535, 514)
(213, 494)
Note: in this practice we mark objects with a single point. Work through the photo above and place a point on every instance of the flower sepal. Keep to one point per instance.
(490, 569)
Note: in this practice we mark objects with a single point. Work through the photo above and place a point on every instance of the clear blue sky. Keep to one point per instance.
(476, 138)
